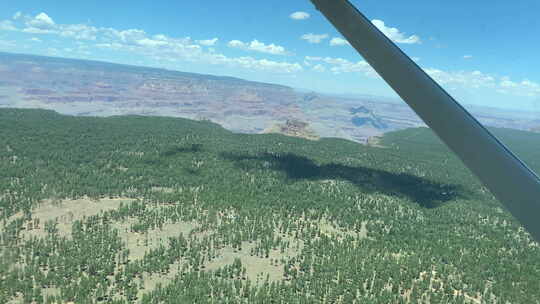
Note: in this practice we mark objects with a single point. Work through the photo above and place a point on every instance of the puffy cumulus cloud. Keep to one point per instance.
(449, 79)
(236, 44)
(41, 21)
(265, 64)
(208, 42)
(137, 42)
(350, 67)
(160, 37)
(474, 79)
(151, 42)
(341, 65)
(478, 79)
(525, 87)
(337, 41)
(130, 36)
(164, 48)
(258, 46)
(299, 16)
(78, 31)
(255, 64)
(314, 38)
(394, 34)
(44, 24)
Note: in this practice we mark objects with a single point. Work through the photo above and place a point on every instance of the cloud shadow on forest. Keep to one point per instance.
(426, 193)
(172, 151)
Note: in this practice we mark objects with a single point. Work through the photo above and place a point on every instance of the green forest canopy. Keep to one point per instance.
(339, 222)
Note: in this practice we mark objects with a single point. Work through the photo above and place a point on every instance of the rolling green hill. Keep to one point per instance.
(154, 209)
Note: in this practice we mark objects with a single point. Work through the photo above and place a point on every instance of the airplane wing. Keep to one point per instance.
(504, 174)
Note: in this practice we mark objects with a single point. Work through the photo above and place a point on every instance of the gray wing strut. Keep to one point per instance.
(505, 175)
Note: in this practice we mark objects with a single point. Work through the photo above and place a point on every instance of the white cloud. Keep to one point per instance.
(319, 68)
(450, 79)
(160, 37)
(258, 46)
(184, 49)
(341, 65)
(530, 84)
(394, 34)
(151, 42)
(524, 88)
(113, 46)
(130, 36)
(314, 38)
(17, 15)
(35, 30)
(78, 31)
(507, 83)
(208, 42)
(530, 88)
(299, 16)
(7, 25)
(236, 44)
(266, 64)
(158, 47)
(478, 79)
(337, 41)
(416, 59)
(35, 39)
(258, 64)
(167, 50)
(41, 21)
(474, 79)
(467, 56)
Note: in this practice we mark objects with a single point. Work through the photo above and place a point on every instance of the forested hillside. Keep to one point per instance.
(168, 210)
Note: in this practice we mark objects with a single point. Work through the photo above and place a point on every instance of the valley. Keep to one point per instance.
(91, 88)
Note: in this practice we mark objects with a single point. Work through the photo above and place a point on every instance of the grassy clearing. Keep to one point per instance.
(140, 243)
(64, 213)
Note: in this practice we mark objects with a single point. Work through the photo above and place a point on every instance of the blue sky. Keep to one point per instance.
(482, 52)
